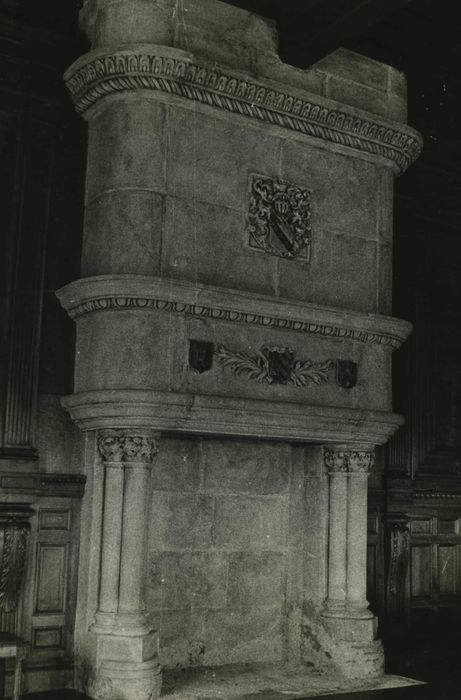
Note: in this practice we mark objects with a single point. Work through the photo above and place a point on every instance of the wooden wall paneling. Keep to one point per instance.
(375, 554)
(26, 233)
(49, 607)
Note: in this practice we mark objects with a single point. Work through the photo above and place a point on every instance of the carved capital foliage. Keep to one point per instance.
(122, 446)
(349, 460)
(335, 460)
(361, 461)
(105, 73)
(139, 448)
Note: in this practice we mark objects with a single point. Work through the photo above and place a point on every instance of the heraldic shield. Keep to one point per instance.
(279, 217)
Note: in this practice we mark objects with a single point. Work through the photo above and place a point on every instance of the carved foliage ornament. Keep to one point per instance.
(399, 556)
(117, 446)
(358, 461)
(275, 365)
(279, 217)
(13, 541)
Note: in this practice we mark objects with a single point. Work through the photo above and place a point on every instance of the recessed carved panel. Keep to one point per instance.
(449, 570)
(47, 638)
(54, 519)
(51, 578)
(421, 571)
(448, 527)
(421, 527)
(279, 217)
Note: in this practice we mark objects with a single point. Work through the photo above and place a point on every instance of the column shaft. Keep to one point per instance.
(132, 561)
(360, 461)
(337, 541)
(111, 537)
(357, 543)
(336, 462)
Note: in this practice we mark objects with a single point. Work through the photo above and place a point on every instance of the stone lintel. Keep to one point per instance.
(233, 417)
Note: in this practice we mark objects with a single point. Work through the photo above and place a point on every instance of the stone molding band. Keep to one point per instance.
(95, 294)
(140, 411)
(349, 460)
(101, 73)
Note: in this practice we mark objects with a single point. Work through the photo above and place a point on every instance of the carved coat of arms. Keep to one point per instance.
(279, 217)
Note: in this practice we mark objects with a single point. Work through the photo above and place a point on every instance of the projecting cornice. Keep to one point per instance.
(174, 72)
(111, 293)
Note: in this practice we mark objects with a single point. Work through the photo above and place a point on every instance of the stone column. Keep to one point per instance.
(360, 461)
(336, 463)
(350, 624)
(127, 666)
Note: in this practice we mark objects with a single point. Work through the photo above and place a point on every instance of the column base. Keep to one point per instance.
(353, 660)
(123, 680)
(127, 666)
(339, 644)
(347, 610)
(334, 608)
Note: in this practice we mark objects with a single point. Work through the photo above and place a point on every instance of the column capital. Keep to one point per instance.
(127, 446)
(335, 458)
(352, 459)
(361, 459)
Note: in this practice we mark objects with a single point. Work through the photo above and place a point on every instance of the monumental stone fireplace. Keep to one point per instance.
(234, 343)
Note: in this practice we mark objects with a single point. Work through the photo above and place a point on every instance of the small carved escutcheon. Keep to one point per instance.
(200, 355)
(279, 217)
(279, 363)
(346, 373)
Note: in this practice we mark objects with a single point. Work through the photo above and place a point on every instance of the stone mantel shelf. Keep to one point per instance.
(171, 412)
(169, 71)
(119, 292)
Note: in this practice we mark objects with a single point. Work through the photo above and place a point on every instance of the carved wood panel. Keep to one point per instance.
(435, 571)
(49, 606)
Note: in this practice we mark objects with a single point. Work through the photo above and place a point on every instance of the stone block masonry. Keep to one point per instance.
(219, 551)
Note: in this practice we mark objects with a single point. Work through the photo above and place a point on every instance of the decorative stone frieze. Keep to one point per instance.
(103, 73)
(119, 293)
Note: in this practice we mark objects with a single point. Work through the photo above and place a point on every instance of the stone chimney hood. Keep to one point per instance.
(236, 282)
(196, 129)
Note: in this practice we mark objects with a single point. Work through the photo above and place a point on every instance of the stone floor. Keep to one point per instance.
(438, 664)
(255, 682)
(430, 691)
(265, 682)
